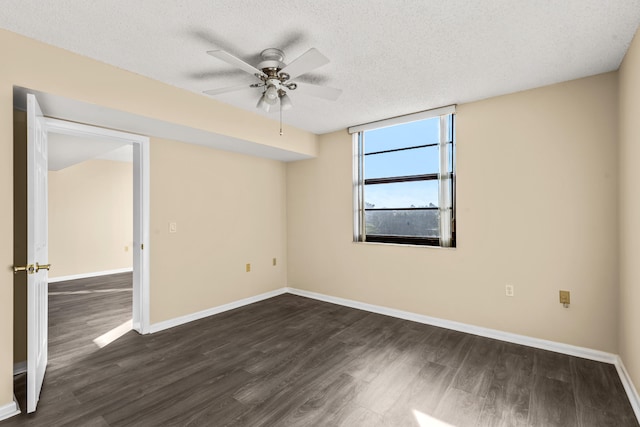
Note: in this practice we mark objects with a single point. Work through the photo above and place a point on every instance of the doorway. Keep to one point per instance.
(139, 311)
(140, 160)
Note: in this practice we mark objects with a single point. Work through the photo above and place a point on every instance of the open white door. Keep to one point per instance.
(37, 252)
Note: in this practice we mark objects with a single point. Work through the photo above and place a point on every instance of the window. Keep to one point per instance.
(404, 183)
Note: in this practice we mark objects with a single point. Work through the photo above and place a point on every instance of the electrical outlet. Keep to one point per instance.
(248, 268)
(508, 290)
(565, 298)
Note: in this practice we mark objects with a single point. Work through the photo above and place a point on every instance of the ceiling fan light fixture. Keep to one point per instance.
(262, 103)
(285, 101)
(271, 94)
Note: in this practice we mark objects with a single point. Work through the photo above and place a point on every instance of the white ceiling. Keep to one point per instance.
(390, 57)
(67, 150)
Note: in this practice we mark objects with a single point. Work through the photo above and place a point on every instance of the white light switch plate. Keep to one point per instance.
(173, 227)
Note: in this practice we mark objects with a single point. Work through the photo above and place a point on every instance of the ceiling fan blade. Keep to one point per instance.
(227, 89)
(323, 92)
(207, 75)
(310, 60)
(236, 62)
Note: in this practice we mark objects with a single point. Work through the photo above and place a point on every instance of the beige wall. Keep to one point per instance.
(537, 208)
(630, 211)
(31, 64)
(230, 210)
(90, 217)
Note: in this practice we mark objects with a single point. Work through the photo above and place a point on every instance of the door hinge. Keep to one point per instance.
(142, 246)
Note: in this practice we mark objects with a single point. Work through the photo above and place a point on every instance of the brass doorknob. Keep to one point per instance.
(42, 267)
(28, 268)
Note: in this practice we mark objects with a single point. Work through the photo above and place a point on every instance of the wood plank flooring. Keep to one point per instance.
(80, 311)
(292, 361)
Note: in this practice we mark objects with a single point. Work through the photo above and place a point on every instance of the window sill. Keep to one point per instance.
(406, 245)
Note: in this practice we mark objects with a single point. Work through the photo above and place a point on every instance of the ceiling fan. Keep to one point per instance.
(276, 77)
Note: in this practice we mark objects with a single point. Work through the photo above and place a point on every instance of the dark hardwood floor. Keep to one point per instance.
(81, 310)
(292, 361)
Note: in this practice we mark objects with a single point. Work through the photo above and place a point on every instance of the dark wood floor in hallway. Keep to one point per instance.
(293, 361)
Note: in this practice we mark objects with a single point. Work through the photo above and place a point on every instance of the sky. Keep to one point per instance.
(408, 162)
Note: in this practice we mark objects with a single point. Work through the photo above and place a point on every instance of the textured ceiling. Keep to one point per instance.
(390, 57)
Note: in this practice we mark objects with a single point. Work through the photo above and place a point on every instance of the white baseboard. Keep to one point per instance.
(571, 350)
(166, 324)
(557, 347)
(20, 367)
(9, 410)
(631, 390)
(86, 275)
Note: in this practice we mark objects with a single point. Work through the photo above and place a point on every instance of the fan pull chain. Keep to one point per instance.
(280, 103)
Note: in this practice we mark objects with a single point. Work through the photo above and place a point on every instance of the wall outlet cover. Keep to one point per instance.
(508, 290)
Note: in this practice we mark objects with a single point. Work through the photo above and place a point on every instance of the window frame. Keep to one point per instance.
(446, 180)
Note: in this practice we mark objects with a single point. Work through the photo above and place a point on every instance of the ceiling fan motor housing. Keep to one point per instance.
(272, 63)
(272, 58)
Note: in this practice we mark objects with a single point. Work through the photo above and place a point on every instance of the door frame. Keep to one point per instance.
(141, 175)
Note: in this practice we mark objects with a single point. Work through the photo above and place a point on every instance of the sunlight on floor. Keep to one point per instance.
(425, 420)
(109, 337)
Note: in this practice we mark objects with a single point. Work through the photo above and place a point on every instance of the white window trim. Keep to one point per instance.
(358, 190)
(408, 118)
(444, 181)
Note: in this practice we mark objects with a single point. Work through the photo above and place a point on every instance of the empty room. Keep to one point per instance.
(382, 213)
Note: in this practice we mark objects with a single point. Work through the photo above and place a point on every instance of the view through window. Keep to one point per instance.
(406, 183)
